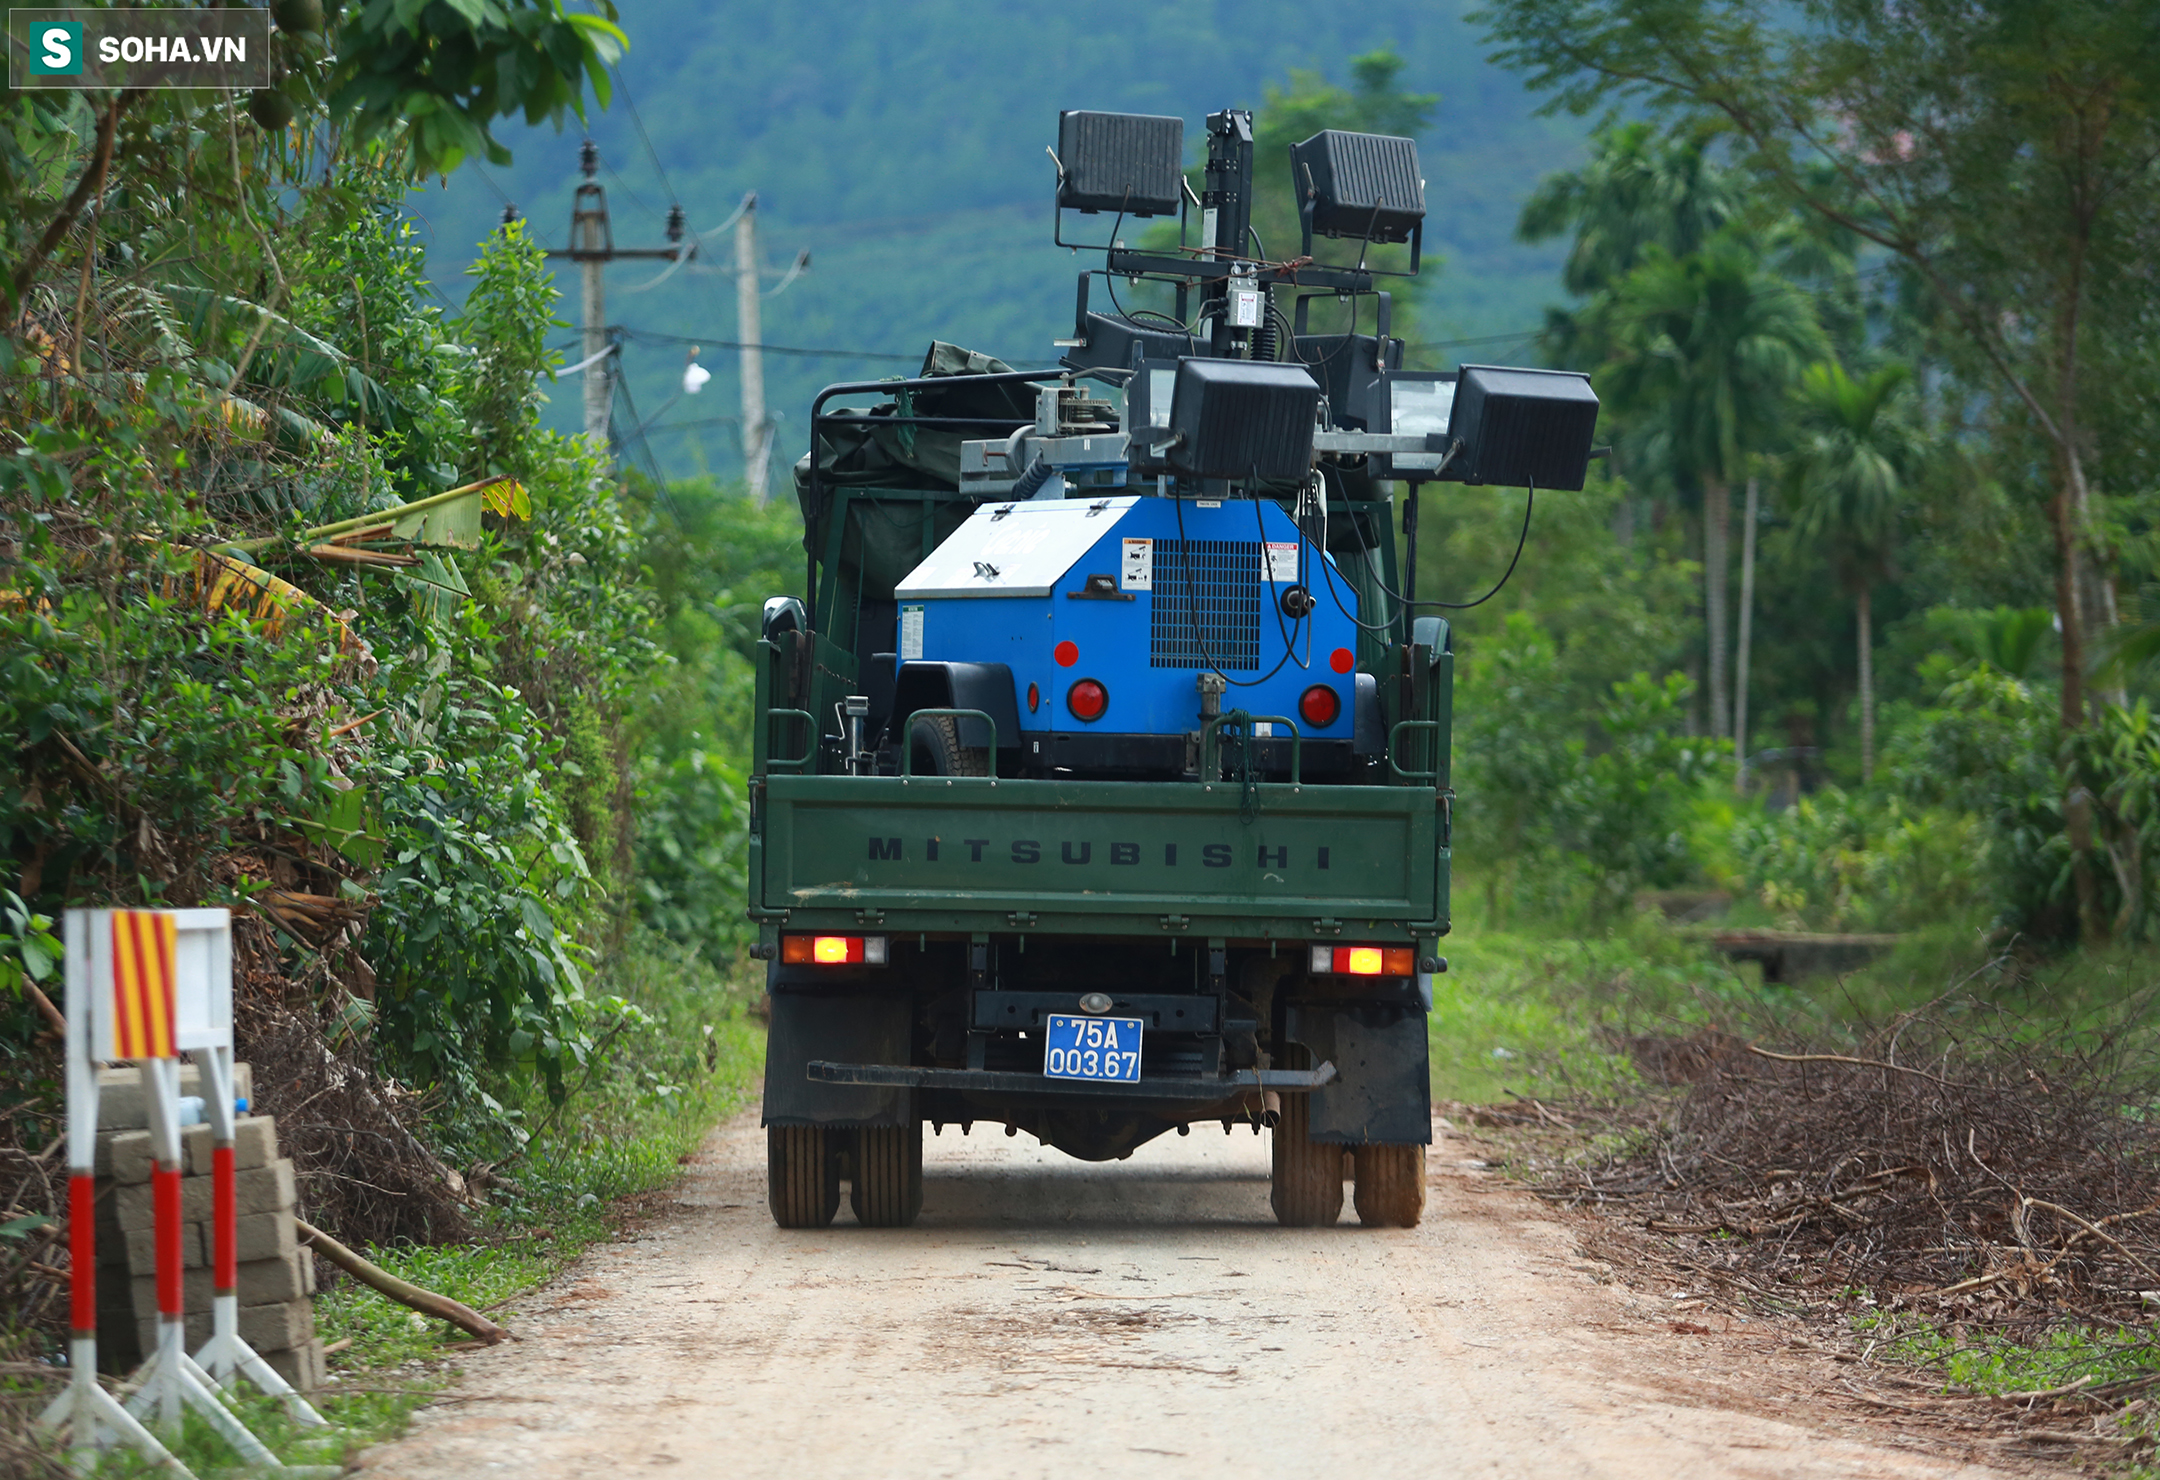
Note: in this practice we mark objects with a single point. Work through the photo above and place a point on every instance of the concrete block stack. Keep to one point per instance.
(276, 1277)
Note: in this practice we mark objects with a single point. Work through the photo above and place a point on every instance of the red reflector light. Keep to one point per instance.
(832, 950)
(1365, 960)
(1087, 699)
(1342, 660)
(1319, 706)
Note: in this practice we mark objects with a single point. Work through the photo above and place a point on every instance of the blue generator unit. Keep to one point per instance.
(1124, 621)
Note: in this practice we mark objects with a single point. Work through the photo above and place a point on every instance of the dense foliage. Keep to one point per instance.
(305, 613)
(1927, 712)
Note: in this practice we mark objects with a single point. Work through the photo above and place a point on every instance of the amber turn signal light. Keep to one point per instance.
(1364, 960)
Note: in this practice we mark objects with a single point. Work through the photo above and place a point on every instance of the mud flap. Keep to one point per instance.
(1382, 1095)
(854, 1029)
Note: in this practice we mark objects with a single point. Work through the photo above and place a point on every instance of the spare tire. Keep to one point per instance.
(934, 749)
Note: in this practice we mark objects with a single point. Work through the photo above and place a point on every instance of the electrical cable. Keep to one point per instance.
(655, 337)
(1521, 540)
(1267, 578)
(1110, 285)
(1529, 501)
(635, 199)
(1328, 570)
(652, 463)
(650, 152)
(1192, 615)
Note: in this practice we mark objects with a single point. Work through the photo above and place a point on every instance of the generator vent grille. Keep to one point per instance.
(1212, 586)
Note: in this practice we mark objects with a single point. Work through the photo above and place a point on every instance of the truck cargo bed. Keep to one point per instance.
(1100, 857)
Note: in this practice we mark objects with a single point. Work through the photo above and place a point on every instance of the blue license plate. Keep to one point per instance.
(1092, 1048)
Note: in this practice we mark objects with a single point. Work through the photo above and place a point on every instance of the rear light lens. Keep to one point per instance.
(833, 950)
(1087, 700)
(1364, 960)
(1320, 706)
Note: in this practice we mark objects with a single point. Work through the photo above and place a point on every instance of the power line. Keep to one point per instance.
(650, 152)
(635, 199)
(713, 342)
(652, 463)
(499, 193)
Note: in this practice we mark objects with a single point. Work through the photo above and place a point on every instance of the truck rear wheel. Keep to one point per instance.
(887, 1189)
(936, 750)
(1390, 1185)
(802, 1177)
(1307, 1190)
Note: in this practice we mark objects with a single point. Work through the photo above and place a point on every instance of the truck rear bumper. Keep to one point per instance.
(987, 1081)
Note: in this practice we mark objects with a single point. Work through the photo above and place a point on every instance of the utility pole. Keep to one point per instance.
(757, 436)
(592, 247)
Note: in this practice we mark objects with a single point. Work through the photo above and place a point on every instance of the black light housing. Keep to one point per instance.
(1130, 162)
(1366, 187)
(1523, 428)
(1241, 419)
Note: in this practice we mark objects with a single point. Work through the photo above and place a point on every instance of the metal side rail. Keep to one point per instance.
(992, 1081)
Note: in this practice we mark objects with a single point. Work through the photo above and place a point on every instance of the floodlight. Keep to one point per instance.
(1523, 428)
(1241, 419)
(1129, 162)
(1363, 186)
(1420, 402)
(1148, 394)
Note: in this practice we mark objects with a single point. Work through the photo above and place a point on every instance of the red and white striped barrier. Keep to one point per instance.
(147, 985)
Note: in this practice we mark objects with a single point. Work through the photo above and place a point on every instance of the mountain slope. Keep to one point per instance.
(904, 147)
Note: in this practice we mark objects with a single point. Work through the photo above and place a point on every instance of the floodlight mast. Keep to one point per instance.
(1226, 216)
(1226, 249)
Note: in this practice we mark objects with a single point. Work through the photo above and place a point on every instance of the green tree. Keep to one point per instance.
(423, 81)
(1705, 351)
(1642, 187)
(2005, 152)
(1846, 478)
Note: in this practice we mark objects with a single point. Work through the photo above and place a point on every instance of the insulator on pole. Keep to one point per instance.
(675, 223)
(589, 158)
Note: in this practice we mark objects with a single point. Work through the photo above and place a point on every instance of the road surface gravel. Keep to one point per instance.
(1144, 1318)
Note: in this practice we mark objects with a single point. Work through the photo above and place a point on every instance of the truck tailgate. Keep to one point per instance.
(1098, 857)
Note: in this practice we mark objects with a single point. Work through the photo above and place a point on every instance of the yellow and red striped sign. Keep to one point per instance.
(143, 984)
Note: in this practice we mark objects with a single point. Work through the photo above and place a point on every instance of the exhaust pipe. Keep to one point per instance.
(1270, 1109)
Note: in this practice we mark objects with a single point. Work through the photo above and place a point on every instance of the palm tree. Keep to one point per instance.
(1642, 187)
(1706, 349)
(1846, 477)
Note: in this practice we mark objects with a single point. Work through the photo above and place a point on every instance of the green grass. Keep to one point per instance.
(1517, 1014)
(1982, 1361)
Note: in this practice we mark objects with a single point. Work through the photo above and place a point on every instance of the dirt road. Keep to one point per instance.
(1145, 1318)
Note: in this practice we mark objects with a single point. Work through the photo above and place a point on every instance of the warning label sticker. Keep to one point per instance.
(911, 624)
(1138, 573)
(1282, 562)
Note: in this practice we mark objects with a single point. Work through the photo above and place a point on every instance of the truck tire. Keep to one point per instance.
(1307, 1190)
(1390, 1185)
(802, 1177)
(887, 1190)
(937, 751)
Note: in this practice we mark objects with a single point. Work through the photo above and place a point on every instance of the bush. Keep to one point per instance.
(1577, 815)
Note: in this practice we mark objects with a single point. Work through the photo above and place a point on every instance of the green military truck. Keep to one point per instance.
(1101, 782)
